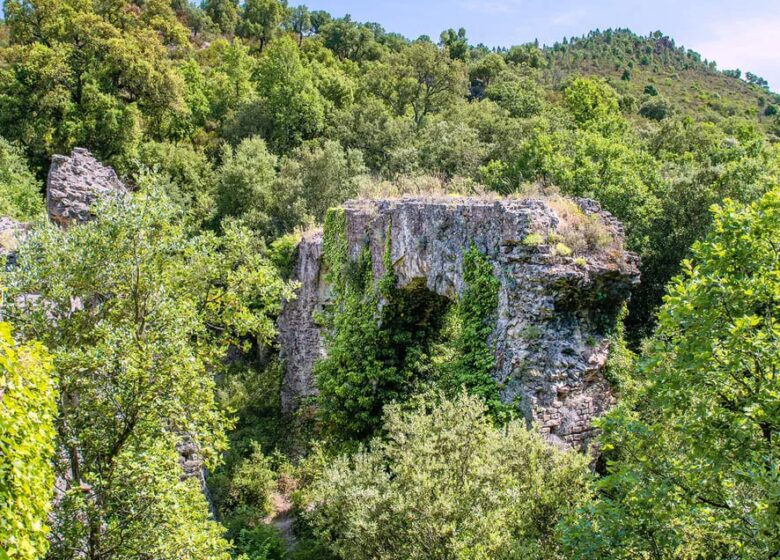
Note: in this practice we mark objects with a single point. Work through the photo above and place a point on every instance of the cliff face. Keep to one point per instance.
(555, 307)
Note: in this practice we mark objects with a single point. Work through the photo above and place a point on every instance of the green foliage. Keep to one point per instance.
(290, 108)
(224, 13)
(269, 131)
(262, 542)
(246, 184)
(421, 79)
(74, 75)
(27, 410)
(243, 498)
(20, 194)
(136, 356)
(191, 181)
(593, 104)
(521, 96)
(355, 386)
(261, 19)
(656, 108)
(446, 483)
(474, 362)
(533, 239)
(409, 343)
(456, 43)
(694, 451)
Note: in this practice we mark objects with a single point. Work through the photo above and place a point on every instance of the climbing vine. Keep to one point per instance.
(385, 343)
(474, 363)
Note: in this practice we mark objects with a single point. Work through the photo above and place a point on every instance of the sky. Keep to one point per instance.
(742, 34)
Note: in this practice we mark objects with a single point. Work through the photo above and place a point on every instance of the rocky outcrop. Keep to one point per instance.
(300, 338)
(11, 234)
(555, 306)
(74, 183)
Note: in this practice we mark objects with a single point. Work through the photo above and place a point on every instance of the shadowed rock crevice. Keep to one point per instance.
(563, 274)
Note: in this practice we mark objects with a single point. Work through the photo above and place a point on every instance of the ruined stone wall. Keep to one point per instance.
(554, 311)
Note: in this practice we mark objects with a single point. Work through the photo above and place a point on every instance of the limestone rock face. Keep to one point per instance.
(11, 234)
(74, 183)
(554, 312)
(300, 339)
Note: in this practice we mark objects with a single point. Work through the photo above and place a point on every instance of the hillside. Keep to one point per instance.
(694, 86)
(283, 286)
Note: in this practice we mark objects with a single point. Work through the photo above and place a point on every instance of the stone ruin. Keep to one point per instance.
(551, 338)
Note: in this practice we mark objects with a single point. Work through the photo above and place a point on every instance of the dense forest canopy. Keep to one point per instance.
(238, 125)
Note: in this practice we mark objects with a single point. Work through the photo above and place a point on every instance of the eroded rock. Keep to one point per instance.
(554, 312)
(74, 183)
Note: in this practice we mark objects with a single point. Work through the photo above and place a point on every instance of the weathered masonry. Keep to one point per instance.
(564, 277)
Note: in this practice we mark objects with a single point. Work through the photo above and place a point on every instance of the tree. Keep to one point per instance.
(138, 316)
(245, 185)
(20, 193)
(224, 13)
(290, 109)
(594, 105)
(301, 21)
(655, 108)
(323, 176)
(75, 76)
(756, 80)
(522, 97)
(190, 178)
(27, 410)
(262, 20)
(349, 40)
(528, 55)
(422, 78)
(693, 451)
(487, 68)
(456, 43)
(447, 483)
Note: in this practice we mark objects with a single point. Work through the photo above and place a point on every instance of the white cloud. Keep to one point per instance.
(748, 44)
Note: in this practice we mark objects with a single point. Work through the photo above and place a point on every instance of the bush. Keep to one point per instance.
(261, 543)
(27, 410)
(447, 483)
(655, 108)
(20, 194)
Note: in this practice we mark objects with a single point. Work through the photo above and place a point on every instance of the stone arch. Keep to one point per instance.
(550, 340)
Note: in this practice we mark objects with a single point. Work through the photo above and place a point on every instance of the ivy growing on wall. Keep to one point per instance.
(474, 361)
(385, 343)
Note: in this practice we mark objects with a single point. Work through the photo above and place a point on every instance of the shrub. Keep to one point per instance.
(27, 409)
(655, 108)
(262, 542)
(447, 483)
(533, 239)
(577, 231)
(20, 194)
(562, 250)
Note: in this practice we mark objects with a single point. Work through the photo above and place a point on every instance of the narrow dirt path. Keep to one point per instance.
(282, 518)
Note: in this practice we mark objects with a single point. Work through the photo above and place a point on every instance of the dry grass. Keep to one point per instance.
(421, 185)
(580, 232)
(8, 241)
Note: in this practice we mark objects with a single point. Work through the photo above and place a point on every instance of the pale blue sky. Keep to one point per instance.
(741, 34)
